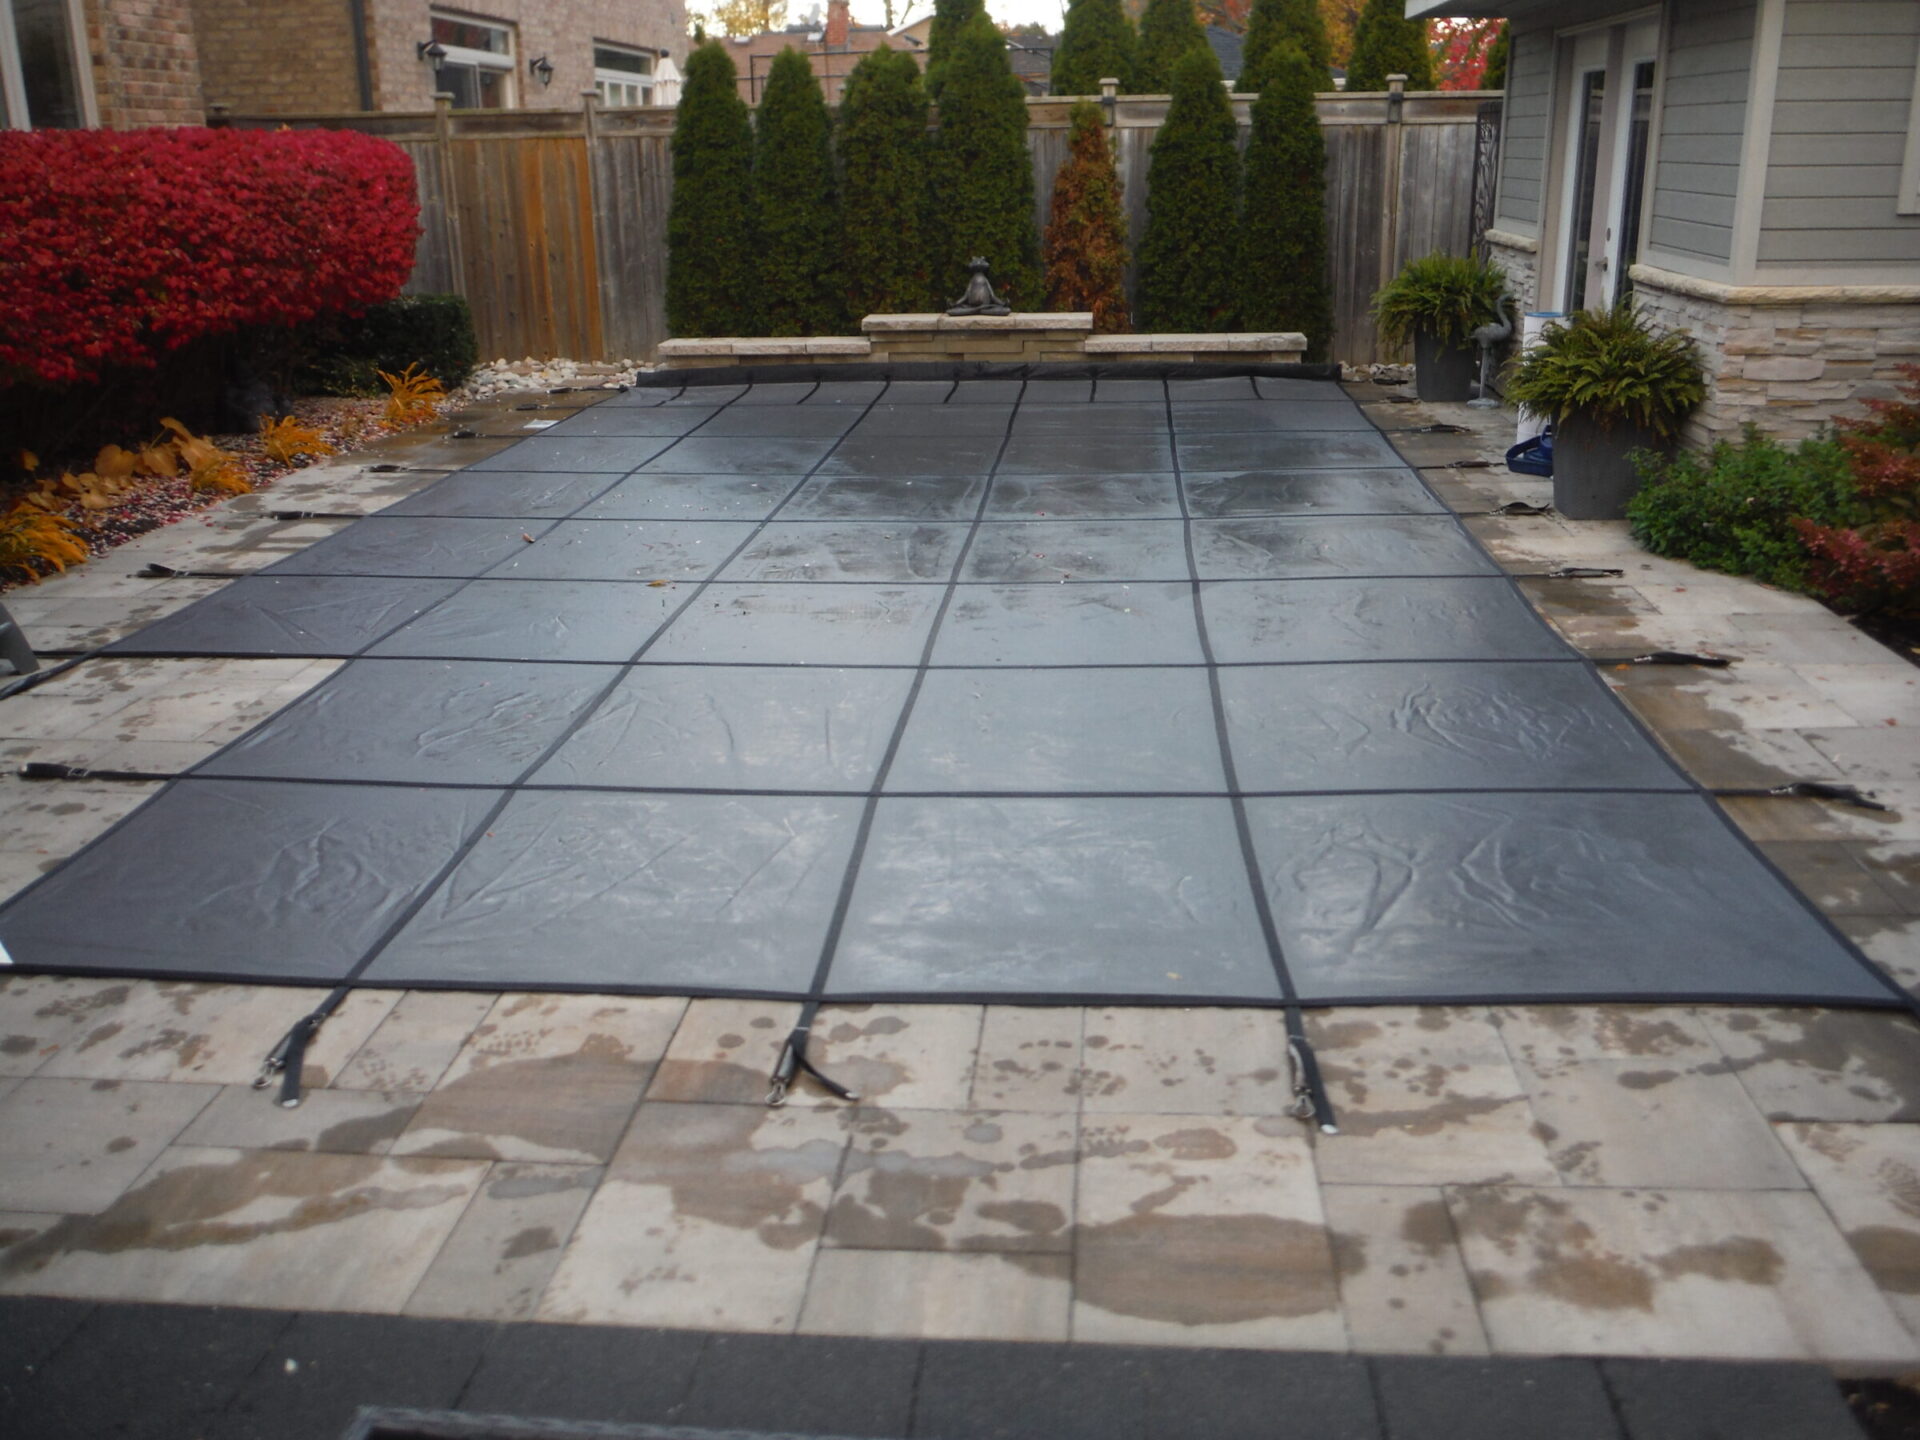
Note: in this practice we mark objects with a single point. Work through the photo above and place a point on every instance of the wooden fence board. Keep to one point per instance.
(553, 223)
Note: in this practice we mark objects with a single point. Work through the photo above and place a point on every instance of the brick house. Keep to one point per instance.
(833, 46)
(124, 63)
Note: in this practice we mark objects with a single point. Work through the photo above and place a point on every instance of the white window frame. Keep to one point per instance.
(1908, 201)
(503, 62)
(642, 86)
(13, 80)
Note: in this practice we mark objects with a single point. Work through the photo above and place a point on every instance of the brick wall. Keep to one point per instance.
(562, 30)
(146, 69)
(284, 58)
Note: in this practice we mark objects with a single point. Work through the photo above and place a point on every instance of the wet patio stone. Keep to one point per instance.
(1684, 1273)
(505, 1248)
(1202, 1231)
(545, 1078)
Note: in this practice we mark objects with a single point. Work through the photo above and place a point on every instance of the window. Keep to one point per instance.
(478, 68)
(623, 76)
(42, 83)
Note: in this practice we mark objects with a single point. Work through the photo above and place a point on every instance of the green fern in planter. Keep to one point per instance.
(1448, 296)
(1608, 367)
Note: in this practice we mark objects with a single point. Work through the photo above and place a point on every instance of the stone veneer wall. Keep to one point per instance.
(146, 65)
(1785, 358)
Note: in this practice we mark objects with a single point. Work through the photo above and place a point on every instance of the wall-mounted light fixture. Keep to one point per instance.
(542, 69)
(433, 52)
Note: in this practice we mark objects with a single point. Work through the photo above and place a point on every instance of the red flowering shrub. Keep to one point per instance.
(117, 247)
(1876, 566)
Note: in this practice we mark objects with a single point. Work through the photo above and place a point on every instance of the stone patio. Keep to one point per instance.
(1511, 1181)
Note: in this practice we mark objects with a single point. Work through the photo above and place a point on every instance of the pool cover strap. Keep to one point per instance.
(793, 1061)
(51, 770)
(1810, 790)
(289, 1057)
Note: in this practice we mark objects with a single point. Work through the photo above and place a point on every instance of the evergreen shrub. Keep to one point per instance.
(1168, 29)
(1189, 278)
(1283, 231)
(883, 144)
(1097, 42)
(982, 172)
(796, 209)
(1386, 43)
(712, 258)
(1273, 22)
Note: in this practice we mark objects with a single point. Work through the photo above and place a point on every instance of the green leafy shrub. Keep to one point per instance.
(712, 253)
(1448, 296)
(1386, 43)
(982, 171)
(1609, 367)
(1168, 30)
(1273, 22)
(1096, 43)
(345, 355)
(1734, 507)
(796, 211)
(1283, 232)
(1189, 279)
(883, 145)
(1086, 245)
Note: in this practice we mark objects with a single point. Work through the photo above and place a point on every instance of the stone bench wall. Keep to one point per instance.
(1038, 338)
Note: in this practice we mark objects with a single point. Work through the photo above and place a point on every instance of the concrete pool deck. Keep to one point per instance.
(1578, 1180)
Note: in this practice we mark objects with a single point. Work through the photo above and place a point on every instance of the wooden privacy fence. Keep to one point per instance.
(553, 223)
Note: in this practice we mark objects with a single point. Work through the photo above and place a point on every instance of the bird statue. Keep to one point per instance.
(1488, 338)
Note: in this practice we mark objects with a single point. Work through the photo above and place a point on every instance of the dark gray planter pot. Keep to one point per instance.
(1443, 372)
(1592, 477)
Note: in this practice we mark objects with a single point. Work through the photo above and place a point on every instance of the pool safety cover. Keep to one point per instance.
(1047, 690)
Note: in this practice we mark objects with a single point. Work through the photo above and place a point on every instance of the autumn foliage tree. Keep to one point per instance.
(883, 185)
(982, 171)
(712, 264)
(1188, 256)
(1387, 43)
(740, 18)
(1283, 233)
(1086, 245)
(796, 209)
(1097, 43)
(1272, 23)
(1168, 29)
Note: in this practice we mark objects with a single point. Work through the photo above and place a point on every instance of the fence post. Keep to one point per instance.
(1390, 177)
(449, 189)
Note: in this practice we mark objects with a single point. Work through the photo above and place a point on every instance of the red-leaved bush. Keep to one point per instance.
(1876, 566)
(117, 247)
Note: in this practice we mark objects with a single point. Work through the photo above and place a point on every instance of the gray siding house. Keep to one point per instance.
(1748, 169)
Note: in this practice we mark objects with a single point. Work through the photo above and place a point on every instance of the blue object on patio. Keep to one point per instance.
(1534, 456)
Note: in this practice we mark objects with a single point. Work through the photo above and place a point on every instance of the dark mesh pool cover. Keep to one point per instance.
(1059, 689)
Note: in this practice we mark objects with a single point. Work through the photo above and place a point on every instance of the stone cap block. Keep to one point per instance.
(747, 345)
(1036, 320)
(1229, 342)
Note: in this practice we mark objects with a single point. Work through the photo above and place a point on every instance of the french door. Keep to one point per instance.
(1605, 123)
